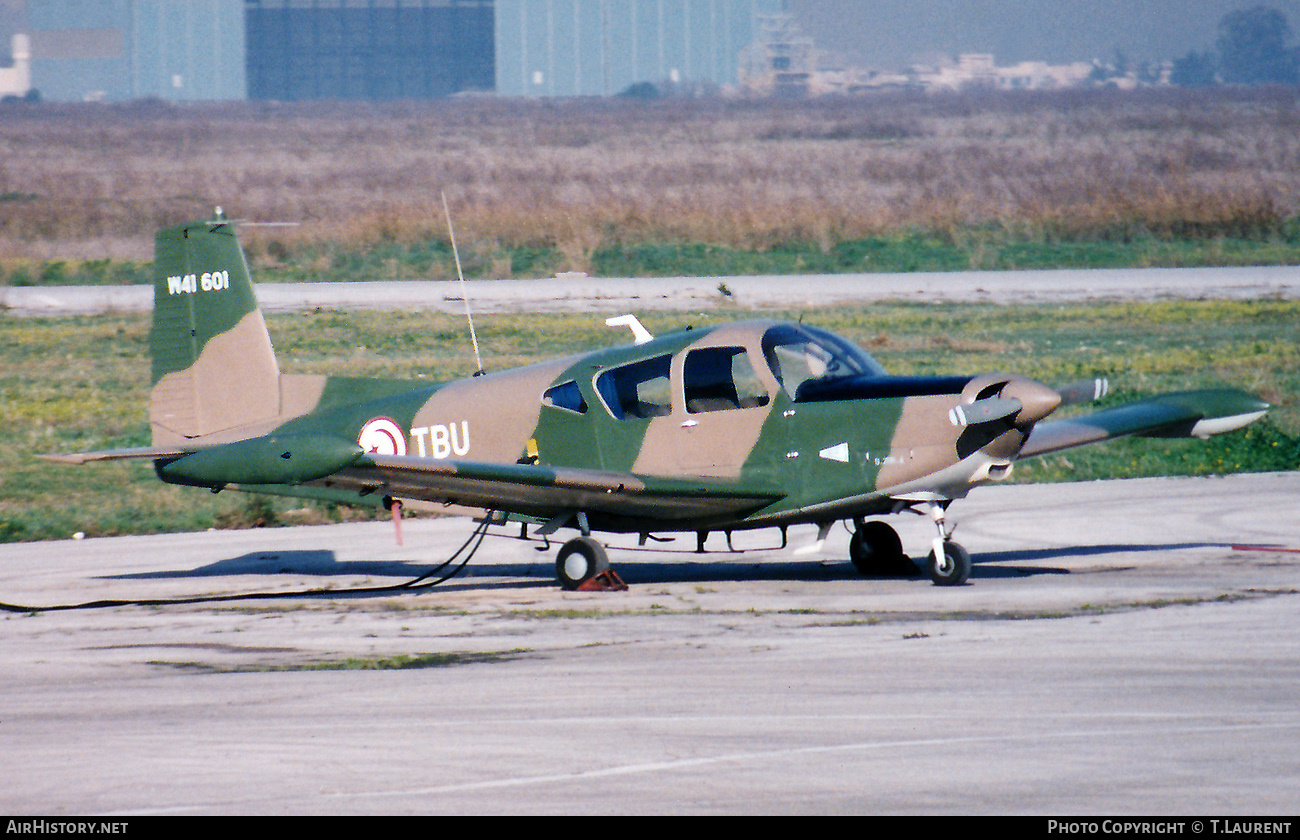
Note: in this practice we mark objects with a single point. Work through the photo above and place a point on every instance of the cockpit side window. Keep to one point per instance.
(637, 390)
(567, 396)
(798, 354)
(719, 379)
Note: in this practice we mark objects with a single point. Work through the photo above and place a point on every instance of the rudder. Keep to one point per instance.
(213, 365)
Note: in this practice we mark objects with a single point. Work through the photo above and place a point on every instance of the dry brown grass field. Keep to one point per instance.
(90, 182)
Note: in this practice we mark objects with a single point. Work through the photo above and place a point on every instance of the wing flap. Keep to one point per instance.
(543, 490)
(1185, 414)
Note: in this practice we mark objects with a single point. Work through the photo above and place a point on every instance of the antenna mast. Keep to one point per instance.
(463, 293)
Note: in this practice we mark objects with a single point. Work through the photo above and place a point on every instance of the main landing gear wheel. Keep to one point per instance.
(953, 569)
(876, 550)
(580, 560)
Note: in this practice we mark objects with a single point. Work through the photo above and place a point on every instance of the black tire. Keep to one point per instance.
(875, 550)
(580, 560)
(956, 566)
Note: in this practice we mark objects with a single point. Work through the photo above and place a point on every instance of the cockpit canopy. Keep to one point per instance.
(797, 354)
(723, 376)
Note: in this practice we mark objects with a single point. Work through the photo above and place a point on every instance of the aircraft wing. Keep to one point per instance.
(1185, 414)
(285, 460)
(545, 491)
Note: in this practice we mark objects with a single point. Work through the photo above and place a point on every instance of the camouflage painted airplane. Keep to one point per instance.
(747, 425)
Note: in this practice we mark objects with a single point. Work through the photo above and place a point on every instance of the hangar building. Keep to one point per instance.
(368, 49)
(379, 49)
(134, 49)
(603, 47)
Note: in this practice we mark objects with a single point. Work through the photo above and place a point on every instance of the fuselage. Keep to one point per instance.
(771, 407)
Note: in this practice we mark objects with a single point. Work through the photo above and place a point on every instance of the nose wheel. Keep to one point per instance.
(949, 562)
(953, 569)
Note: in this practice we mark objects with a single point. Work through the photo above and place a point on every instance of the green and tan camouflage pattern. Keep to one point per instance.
(213, 365)
(223, 415)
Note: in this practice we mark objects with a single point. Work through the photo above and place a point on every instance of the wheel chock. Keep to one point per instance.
(606, 581)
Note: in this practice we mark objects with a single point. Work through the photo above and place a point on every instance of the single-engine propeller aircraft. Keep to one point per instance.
(747, 425)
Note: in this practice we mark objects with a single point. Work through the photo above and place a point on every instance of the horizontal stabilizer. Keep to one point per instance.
(1185, 414)
(150, 452)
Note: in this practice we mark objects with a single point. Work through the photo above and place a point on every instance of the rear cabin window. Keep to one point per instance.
(720, 379)
(637, 390)
(567, 396)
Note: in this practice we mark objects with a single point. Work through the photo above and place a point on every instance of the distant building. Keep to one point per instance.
(133, 49)
(979, 70)
(368, 49)
(780, 62)
(378, 50)
(604, 47)
(1039, 75)
(259, 49)
(783, 62)
(17, 80)
(381, 49)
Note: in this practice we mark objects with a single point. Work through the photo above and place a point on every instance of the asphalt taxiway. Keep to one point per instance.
(1122, 647)
(575, 292)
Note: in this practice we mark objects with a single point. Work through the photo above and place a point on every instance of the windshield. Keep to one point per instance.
(798, 353)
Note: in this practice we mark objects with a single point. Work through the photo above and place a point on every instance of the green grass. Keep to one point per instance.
(933, 251)
(973, 249)
(101, 272)
(70, 384)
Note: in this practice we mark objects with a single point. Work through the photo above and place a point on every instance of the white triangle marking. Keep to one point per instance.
(838, 452)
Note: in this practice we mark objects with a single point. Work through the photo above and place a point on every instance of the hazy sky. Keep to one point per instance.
(891, 34)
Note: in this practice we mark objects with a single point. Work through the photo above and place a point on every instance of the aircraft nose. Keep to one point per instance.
(1036, 400)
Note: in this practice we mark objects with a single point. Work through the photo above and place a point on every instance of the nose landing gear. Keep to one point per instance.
(949, 561)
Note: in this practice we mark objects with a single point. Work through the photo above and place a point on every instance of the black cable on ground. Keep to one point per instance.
(413, 585)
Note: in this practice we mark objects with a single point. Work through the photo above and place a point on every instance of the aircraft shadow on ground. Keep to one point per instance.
(324, 563)
(981, 564)
(638, 568)
(719, 567)
(311, 562)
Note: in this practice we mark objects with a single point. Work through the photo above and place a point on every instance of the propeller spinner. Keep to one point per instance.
(1023, 400)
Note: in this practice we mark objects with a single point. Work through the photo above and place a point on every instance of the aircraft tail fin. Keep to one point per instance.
(213, 365)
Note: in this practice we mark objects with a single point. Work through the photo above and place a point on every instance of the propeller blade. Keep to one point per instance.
(982, 411)
(1084, 391)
